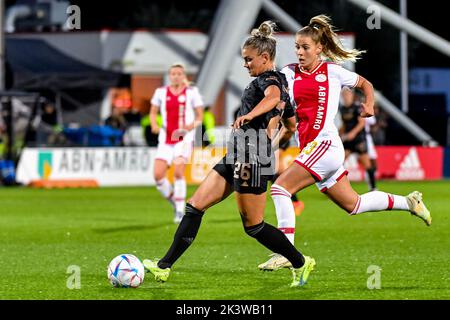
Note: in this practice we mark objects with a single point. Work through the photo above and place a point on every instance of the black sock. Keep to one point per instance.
(185, 235)
(294, 197)
(371, 175)
(275, 240)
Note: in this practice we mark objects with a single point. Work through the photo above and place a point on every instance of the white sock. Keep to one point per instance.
(380, 201)
(285, 211)
(165, 188)
(179, 194)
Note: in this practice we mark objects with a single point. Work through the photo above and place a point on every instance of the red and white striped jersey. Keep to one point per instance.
(316, 96)
(176, 110)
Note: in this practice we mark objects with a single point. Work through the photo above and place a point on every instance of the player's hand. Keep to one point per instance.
(156, 130)
(280, 106)
(178, 134)
(187, 128)
(242, 120)
(367, 110)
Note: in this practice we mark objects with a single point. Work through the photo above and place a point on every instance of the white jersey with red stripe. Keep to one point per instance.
(315, 96)
(176, 111)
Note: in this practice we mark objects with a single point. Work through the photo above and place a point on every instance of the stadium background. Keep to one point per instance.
(382, 45)
(87, 227)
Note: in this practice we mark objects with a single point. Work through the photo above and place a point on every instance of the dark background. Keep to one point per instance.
(380, 64)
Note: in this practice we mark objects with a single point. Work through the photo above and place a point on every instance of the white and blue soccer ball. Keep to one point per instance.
(126, 271)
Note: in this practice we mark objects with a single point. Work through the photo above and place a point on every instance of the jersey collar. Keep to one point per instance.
(309, 73)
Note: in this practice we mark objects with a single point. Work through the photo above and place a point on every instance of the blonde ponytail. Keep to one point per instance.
(262, 39)
(265, 30)
(322, 31)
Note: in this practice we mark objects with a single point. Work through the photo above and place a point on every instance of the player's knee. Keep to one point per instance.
(178, 175)
(194, 203)
(159, 175)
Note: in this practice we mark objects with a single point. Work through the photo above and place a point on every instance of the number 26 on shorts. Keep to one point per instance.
(242, 170)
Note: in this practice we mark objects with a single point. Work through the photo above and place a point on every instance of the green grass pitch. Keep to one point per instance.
(43, 232)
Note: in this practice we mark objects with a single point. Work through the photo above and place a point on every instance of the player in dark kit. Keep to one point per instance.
(248, 164)
(353, 134)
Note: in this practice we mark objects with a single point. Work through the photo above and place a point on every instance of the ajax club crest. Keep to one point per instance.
(321, 78)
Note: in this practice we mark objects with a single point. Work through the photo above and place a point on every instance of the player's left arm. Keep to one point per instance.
(198, 119)
(272, 96)
(367, 89)
(197, 102)
(285, 133)
(289, 126)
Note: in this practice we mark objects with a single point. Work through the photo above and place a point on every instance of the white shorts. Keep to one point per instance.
(371, 147)
(324, 159)
(169, 152)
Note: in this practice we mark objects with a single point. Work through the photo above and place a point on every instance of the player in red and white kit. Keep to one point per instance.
(181, 108)
(315, 87)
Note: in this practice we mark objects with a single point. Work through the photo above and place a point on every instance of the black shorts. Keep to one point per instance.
(245, 177)
(358, 145)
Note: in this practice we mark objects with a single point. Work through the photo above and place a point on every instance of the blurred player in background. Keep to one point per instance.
(181, 108)
(315, 87)
(353, 133)
(244, 169)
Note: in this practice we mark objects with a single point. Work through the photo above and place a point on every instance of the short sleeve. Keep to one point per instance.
(346, 77)
(197, 100)
(268, 80)
(288, 111)
(157, 97)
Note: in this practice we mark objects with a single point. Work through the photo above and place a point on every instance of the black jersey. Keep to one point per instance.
(350, 116)
(254, 93)
(249, 163)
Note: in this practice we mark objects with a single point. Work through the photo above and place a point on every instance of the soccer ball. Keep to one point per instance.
(125, 271)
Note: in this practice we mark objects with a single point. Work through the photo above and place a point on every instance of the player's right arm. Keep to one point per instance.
(154, 110)
(155, 104)
(271, 99)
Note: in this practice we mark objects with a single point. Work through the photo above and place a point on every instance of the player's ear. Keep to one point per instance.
(265, 56)
(319, 49)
